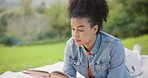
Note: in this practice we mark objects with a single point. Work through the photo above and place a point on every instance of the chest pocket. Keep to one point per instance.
(81, 67)
(101, 67)
(76, 64)
(74, 61)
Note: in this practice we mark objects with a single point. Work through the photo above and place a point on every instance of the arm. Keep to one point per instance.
(68, 67)
(117, 67)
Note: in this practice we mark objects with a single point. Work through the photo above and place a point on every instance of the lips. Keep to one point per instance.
(76, 40)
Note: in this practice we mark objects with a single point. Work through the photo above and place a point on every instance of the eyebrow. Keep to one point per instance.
(79, 26)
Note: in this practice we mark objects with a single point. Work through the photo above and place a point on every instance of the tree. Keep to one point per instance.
(26, 7)
(58, 19)
(127, 18)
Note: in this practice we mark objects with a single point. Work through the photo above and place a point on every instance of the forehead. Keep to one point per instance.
(80, 22)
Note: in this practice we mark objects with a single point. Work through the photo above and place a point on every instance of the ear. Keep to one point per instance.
(95, 28)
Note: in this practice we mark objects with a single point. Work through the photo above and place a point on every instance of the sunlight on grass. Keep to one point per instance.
(143, 41)
(22, 58)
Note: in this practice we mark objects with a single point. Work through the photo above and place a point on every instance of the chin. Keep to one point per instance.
(78, 44)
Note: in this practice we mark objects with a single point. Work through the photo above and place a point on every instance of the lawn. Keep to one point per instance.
(22, 58)
(25, 57)
(142, 40)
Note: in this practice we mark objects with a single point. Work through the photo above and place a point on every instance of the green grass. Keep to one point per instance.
(142, 40)
(24, 57)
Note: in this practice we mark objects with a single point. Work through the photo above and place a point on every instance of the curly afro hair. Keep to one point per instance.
(96, 11)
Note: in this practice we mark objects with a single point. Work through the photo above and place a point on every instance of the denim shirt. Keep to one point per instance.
(107, 59)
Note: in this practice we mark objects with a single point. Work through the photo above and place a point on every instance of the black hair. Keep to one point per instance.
(96, 11)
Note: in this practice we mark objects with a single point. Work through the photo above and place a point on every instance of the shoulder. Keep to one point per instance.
(108, 38)
(111, 43)
(70, 42)
(71, 47)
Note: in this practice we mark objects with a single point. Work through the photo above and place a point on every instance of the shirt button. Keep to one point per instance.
(74, 63)
(102, 67)
(92, 56)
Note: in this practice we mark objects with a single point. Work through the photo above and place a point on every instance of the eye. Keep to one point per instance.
(81, 30)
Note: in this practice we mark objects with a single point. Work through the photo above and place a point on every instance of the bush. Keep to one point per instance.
(9, 40)
(58, 18)
(46, 41)
(46, 35)
(6, 39)
(5, 16)
(127, 18)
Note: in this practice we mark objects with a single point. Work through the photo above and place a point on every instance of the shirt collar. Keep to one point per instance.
(95, 46)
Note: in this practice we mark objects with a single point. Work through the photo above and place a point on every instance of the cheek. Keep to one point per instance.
(85, 36)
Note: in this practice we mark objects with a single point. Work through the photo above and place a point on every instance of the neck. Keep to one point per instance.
(89, 46)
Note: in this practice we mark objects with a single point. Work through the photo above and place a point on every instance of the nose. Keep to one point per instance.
(75, 34)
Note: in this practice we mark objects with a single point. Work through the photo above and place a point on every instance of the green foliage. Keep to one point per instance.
(2, 10)
(45, 41)
(26, 7)
(9, 40)
(4, 18)
(58, 18)
(45, 35)
(24, 26)
(6, 39)
(127, 18)
(41, 9)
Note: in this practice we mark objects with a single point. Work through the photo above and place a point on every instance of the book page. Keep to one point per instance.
(37, 73)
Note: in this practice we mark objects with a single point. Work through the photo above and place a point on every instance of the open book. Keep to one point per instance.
(45, 74)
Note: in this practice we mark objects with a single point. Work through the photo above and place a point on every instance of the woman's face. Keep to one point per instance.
(82, 33)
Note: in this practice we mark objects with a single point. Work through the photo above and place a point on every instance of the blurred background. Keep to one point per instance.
(33, 32)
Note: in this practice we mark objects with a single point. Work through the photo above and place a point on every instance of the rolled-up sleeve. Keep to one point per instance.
(117, 67)
(68, 67)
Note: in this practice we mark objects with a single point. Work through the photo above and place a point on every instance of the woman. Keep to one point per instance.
(91, 52)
